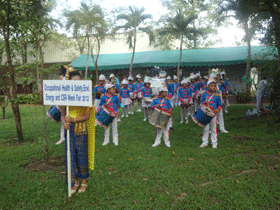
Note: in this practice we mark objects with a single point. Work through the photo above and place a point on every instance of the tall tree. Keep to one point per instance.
(13, 17)
(86, 22)
(178, 27)
(134, 21)
(241, 11)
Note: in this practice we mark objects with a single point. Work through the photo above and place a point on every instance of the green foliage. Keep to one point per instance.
(243, 97)
(28, 99)
(135, 20)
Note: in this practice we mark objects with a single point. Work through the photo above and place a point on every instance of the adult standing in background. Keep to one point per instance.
(260, 92)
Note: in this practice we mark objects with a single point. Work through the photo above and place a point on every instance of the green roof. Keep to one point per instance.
(169, 58)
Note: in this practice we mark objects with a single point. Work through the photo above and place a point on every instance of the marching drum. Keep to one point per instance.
(105, 116)
(54, 114)
(203, 115)
(160, 118)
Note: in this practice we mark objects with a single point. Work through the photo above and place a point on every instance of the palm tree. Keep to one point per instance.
(178, 28)
(134, 22)
(240, 10)
(86, 22)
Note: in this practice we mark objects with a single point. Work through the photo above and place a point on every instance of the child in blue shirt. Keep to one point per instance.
(162, 102)
(125, 100)
(132, 94)
(146, 94)
(138, 86)
(213, 99)
(176, 88)
(185, 98)
(99, 90)
(111, 100)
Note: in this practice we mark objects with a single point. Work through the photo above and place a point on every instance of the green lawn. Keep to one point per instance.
(243, 173)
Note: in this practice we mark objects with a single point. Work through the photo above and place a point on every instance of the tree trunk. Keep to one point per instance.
(3, 111)
(134, 47)
(13, 95)
(248, 66)
(86, 71)
(96, 60)
(41, 75)
(45, 135)
(179, 64)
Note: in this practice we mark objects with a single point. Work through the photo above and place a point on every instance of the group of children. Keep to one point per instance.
(188, 95)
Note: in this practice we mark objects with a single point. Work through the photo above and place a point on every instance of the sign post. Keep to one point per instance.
(68, 93)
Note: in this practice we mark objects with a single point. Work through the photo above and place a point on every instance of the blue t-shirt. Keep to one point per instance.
(124, 93)
(146, 92)
(99, 88)
(166, 105)
(113, 103)
(214, 102)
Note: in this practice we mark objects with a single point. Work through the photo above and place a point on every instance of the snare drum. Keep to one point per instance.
(160, 118)
(105, 116)
(54, 114)
(203, 115)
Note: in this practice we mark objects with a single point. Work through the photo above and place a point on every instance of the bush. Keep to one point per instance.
(29, 98)
(243, 97)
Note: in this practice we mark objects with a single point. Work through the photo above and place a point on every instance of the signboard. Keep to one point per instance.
(67, 92)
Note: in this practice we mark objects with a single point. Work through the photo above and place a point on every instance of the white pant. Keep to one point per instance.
(145, 112)
(165, 133)
(185, 111)
(259, 96)
(114, 132)
(172, 100)
(196, 105)
(62, 131)
(213, 127)
(176, 99)
(131, 106)
(226, 104)
(221, 120)
(96, 103)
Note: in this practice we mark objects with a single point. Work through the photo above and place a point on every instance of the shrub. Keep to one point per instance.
(29, 98)
(243, 97)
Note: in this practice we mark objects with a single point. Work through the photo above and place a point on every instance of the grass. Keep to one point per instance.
(243, 173)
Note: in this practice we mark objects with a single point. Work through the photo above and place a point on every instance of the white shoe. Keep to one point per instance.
(181, 122)
(224, 131)
(187, 122)
(105, 143)
(144, 119)
(60, 142)
(214, 146)
(122, 116)
(132, 112)
(138, 110)
(116, 143)
(126, 116)
(226, 111)
(203, 145)
(129, 112)
(118, 120)
(155, 144)
(167, 144)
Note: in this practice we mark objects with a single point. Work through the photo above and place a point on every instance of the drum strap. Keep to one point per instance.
(109, 100)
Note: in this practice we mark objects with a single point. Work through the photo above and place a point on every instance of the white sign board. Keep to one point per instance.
(67, 92)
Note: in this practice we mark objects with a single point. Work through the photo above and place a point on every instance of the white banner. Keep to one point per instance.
(67, 92)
